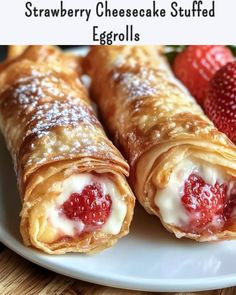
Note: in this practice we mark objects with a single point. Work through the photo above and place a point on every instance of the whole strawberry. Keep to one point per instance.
(197, 64)
(220, 104)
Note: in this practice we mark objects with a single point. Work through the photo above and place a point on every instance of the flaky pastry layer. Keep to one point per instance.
(52, 133)
(154, 121)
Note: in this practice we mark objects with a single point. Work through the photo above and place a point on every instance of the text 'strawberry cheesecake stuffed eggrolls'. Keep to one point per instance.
(182, 168)
(75, 196)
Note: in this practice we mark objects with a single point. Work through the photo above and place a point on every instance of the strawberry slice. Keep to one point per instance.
(220, 104)
(91, 206)
(203, 202)
(196, 65)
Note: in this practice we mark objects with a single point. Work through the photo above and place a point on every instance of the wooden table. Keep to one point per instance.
(20, 277)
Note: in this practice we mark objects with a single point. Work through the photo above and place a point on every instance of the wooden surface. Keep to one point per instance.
(18, 276)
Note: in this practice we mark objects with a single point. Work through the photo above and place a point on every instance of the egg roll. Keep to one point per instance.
(183, 170)
(71, 178)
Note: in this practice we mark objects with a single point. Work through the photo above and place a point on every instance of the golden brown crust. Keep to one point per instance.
(15, 51)
(52, 132)
(152, 118)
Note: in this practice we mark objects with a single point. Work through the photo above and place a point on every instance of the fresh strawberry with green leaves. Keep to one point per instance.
(220, 103)
(197, 64)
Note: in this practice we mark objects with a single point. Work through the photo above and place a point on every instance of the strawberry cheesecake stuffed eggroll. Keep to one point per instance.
(75, 197)
(182, 168)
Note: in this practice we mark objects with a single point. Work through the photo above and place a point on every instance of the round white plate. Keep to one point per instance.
(149, 258)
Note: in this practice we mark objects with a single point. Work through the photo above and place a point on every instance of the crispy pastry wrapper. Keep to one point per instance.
(52, 133)
(154, 121)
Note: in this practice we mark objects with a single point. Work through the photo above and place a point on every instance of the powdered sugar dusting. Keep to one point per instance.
(43, 103)
(136, 84)
(38, 104)
(58, 113)
(29, 90)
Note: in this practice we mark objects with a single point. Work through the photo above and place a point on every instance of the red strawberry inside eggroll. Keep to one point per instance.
(75, 197)
(183, 169)
(85, 203)
(199, 198)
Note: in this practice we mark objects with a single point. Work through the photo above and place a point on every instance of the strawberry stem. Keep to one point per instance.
(172, 50)
(233, 49)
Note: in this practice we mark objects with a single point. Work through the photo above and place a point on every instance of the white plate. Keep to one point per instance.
(149, 258)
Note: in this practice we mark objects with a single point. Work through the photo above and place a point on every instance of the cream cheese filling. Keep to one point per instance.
(75, 184)
(168, 200)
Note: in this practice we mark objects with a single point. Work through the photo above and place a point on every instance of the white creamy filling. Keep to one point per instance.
(75, 184)
(168, 200)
